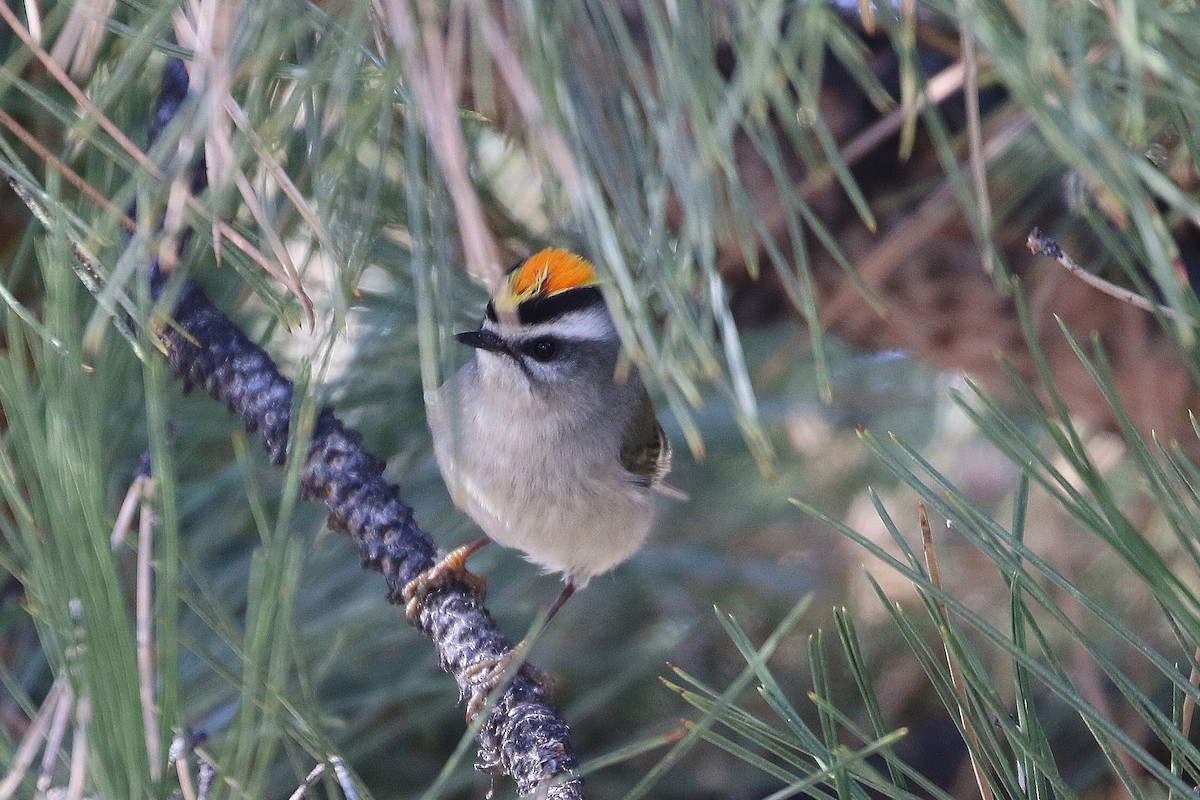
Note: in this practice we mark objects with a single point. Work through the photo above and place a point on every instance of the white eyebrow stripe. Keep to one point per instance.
(589, 325)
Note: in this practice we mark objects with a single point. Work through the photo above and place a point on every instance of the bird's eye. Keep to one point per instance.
(543, 349)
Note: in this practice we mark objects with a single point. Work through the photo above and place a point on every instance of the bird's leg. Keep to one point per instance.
(486, 675)
(563, 597)
(452, 566)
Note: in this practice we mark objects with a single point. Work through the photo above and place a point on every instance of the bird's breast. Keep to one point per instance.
(543, 482)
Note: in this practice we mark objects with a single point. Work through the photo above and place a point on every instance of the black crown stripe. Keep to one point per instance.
(543, 309)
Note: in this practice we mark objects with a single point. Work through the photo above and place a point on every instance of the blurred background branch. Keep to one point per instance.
(787, 201)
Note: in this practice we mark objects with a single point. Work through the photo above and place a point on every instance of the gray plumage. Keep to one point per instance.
(545, 449)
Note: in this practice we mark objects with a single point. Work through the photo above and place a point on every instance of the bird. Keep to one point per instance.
(547, 437)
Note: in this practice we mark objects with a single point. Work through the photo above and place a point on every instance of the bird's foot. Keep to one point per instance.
(452, 567)
(490, 673)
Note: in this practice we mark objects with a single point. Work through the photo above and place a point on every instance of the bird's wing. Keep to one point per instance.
(645, 450)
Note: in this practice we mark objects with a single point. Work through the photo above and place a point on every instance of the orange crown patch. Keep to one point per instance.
(543, 274)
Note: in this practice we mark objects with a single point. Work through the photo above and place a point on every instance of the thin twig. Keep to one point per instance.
(144, 635)
(129, 506)
(79, 748)
(72, 177)
(34, 735)
(1189, 704)
(508, 66)
(975, 137)
(54, 739)
(77, 94)
(909, 93)
(143, 160)
(937, 89)
(1040, 244)
(207, 775)
(341, 774)
(960, 687)
(866, 15)
(88, 272)
(177, 758)
(312, 775)
(270, 163)
(431, 51)
(923, 225)
(343, 778)
(78, 42)
(214, 25)
(34, 15)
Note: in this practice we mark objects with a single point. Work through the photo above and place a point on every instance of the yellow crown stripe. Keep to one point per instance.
(549, 272)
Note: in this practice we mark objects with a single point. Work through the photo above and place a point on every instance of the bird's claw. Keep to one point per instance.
(452, 567)
(486, 675)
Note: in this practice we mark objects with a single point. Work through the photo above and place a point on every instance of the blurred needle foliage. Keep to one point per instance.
(369, 163)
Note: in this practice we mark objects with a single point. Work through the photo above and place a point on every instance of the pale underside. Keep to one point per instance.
(547, 481)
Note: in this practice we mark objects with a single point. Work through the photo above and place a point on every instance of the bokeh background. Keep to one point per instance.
(813, 223)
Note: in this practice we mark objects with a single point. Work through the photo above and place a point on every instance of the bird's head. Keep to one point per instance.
(547, 327)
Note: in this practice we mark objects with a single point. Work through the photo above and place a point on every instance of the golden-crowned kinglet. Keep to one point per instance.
(545, 438)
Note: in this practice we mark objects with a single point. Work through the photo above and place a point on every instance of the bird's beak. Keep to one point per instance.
(483, 340)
